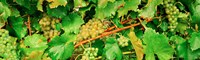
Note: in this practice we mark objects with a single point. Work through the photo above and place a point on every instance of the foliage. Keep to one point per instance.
(100, 29)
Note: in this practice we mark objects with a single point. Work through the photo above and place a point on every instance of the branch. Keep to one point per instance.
(109, 33)
(29, 25)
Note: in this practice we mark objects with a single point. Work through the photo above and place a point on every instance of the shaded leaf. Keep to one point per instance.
(17, 24)
(58, 12)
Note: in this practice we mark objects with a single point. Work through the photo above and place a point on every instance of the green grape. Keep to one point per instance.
(91, 29)
(48, 26)
(123, 41)
(8, 45)
(172, 11)
(90, 53)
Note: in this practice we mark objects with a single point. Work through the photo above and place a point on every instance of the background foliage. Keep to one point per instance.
(134, 29)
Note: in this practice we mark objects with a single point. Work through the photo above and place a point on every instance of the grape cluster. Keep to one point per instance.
(48, 26)
(123, 41)
(91, 29)
(89, 54)
(172, 13)
(7, 46)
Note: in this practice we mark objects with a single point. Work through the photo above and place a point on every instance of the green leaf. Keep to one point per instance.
(56, 3)
(156, 44)
(72, 22)
(111, 50)
(164, 26)
(129, 5)
(117, 22)
(14, 12)
(4, 13)
(177, 39)
(185, 52)
(108, 11)
(25, 3)
(103, 3)
(61, 48)
(34, 45)
(150, 8)
(195, 41)
(80, 3)
(35, 41)
(181, 27)
(194, 7)
(39, 5)
(58, 12)
(17, 24)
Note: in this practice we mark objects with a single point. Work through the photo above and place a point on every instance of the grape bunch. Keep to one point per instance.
(91, 29)
(172, 13)
(89, 54)
(48, 26)
(7, 46)
(123, 41)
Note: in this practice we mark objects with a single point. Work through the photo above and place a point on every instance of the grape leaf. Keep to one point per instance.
(35, 41)
(194, 7)
(72, 22)
(56, 3)
(103, 3)
(129, 5)
(117, 22)
(185, 52)
(34, 44)
(181, 27)
(39, 5)
(30, 7)
(150, 8)
(25, 3)
(4, 14)
(137, 45)
(112, 50)
(164, 26)
(58, 12)
(177, 39)
(14, 12)
(156, 44)
(109, 10)
(80, 3)
(61, 47)
(195, 41)
(17, 24)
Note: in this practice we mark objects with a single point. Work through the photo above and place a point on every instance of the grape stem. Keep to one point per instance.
(109, 33)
